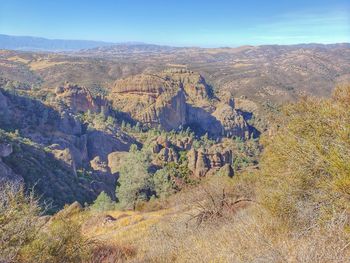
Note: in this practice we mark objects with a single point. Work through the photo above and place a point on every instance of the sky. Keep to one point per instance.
(214, 23)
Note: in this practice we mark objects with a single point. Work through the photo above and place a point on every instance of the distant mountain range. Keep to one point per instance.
(28, 43)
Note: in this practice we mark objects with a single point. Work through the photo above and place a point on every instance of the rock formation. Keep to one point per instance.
(79, 99)
(202, 163)
(6, 173)
(174, 99)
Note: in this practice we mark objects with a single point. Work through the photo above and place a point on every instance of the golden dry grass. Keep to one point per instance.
(19, 59)
(43, 64)
(250, 233)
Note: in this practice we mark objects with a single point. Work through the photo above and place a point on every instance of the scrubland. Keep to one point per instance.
(295, 207)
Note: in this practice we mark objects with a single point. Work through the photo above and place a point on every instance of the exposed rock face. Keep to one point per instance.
(101, 144)
(167, 155)
(69, 123)
(184, 144)
(76, 145)
(65, 155)
(174, 98)
(98, 165)
(6, 173)
(151, 99)
(79, 99)
(115, 161)
(201, 163)
(233, 123)
(62, 155)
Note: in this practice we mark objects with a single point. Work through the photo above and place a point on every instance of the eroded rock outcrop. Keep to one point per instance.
(174, 99)
(101, 144)
(6, 173)
(115, 161)
(199, 161)
(233, 123)
(202, 163)
(79, 99)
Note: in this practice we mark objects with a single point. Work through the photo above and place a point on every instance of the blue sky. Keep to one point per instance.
(181, 23)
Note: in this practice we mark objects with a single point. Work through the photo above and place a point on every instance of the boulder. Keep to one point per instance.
(108, 219)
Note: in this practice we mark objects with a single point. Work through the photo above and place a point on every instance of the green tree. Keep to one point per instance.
(103, 203)
(163, 182)
(134, 180)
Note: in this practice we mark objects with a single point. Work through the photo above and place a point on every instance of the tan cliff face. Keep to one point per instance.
(151, 99)
(79, 99)
(174, 98)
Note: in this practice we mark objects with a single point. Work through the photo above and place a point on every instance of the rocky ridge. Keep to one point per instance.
(176, 98)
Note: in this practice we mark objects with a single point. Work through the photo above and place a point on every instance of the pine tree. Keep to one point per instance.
(103, 202)
(134, 179)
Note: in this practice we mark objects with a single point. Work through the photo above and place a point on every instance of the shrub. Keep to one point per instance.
(26, 236)
(19, 221)
(61, 241)
(306, 163)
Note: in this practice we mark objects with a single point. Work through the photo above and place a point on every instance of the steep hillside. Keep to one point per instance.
(54, 150)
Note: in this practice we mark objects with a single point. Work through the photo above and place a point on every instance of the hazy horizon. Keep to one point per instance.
(106, 43)
(192, 23)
